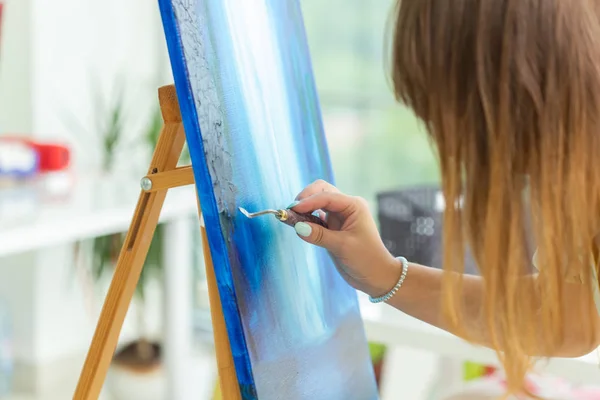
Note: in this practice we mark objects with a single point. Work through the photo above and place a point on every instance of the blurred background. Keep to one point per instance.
(78, 121)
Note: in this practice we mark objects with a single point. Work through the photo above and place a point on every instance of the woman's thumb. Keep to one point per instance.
(315, 234)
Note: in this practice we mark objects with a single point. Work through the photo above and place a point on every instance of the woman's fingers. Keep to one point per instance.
(316, 187)
(319, 236)
(329, 202)
(322, 215)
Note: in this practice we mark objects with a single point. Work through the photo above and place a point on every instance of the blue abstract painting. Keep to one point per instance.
(253, 125)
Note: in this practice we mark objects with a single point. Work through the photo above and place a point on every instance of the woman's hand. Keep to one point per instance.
(352, 238)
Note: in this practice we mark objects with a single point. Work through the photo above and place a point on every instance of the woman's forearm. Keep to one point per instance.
(421, 297)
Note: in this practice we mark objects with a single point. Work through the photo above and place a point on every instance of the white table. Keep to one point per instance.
(70, 208)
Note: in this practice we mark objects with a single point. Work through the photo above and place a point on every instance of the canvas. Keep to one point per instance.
(253, 125)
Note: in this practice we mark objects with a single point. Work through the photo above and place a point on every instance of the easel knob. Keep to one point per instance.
(146, 183)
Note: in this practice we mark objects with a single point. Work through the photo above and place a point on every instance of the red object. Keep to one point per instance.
(51, 156)
(1, 6)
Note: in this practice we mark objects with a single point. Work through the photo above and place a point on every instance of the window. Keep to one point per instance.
(375, 143)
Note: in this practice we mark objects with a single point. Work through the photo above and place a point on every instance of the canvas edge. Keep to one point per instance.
(210, 213)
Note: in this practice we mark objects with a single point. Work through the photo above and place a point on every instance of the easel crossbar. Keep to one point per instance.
(181, 176)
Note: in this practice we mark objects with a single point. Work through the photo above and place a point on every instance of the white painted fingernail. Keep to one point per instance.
(303, 229)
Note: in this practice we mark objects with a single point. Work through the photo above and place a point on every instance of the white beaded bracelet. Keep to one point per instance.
(397, 287)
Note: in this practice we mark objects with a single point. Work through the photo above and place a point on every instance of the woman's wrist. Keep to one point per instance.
(388, 275)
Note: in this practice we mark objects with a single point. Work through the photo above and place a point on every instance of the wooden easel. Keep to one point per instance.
(163, 174)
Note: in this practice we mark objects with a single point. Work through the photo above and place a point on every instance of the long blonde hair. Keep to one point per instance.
(509, 92)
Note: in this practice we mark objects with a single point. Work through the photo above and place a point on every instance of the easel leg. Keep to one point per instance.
(133, 254)
(230, 389)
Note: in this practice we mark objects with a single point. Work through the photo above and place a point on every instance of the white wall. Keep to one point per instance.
(85, 47)
(15, 68)
(55, 52)
(17, 293)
